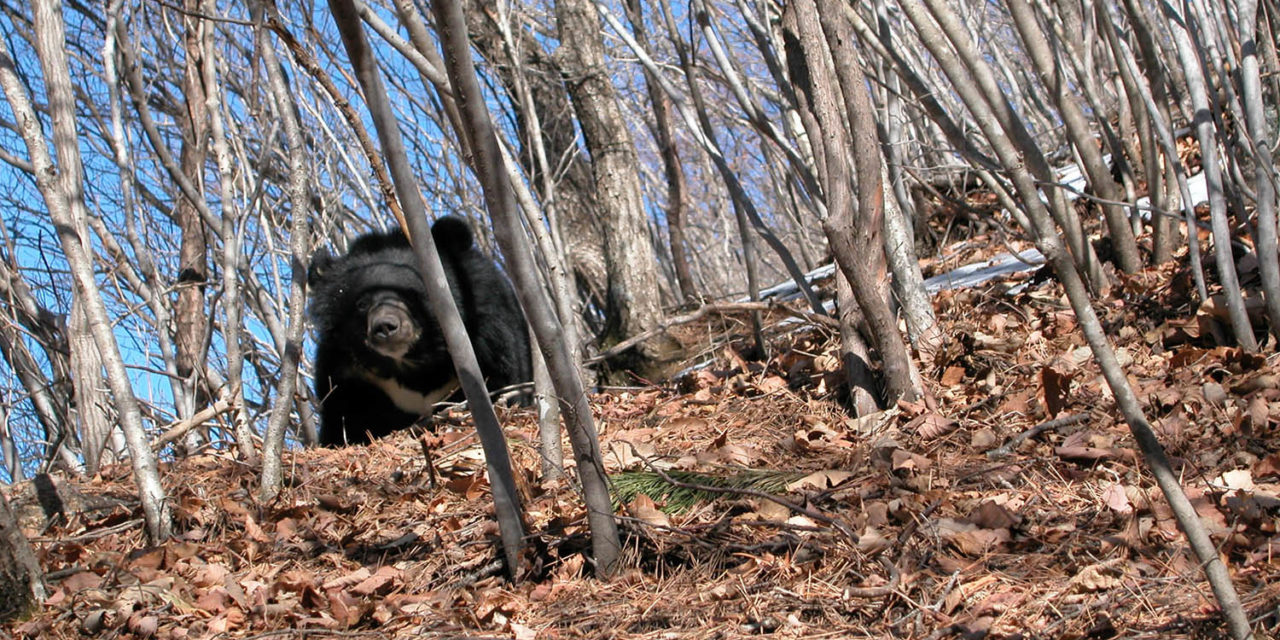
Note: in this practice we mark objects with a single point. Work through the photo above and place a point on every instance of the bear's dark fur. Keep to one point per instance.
(381, 360)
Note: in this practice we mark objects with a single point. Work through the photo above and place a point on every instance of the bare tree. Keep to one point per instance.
(1259, 144)
(632, 305)
(193, 259)
(854, 234)
(300, 251)
(677, 186)
(62, 191)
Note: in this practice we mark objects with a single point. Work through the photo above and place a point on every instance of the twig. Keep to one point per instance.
(1017, 440)
(94, 535)
(720, 307)
(180, 428)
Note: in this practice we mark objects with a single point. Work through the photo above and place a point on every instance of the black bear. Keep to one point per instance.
(381, 361)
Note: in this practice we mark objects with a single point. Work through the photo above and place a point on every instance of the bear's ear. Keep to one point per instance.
(321, 265)
(452, 234)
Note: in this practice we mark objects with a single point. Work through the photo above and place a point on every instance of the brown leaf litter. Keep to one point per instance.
(909, 523)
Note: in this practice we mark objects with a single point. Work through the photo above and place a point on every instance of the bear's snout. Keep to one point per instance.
(384, 326)
(391, 330)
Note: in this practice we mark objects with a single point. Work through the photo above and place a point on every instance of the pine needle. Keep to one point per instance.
(676, 499)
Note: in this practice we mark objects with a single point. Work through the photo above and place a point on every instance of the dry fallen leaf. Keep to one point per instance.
(644, 509)
(990, 515)
(872, 541)
(904, 460)
(1267, 467)
(1055, 387)
(1083, 454)
(1097, 577)
(1235, 480)
(930, 425)
(820, 480)
(952, 376)
(969, 539)
(983, 439)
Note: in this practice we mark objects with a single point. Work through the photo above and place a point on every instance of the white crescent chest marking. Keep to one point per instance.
(411, 401)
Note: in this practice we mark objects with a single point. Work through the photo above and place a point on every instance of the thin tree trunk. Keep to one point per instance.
(854, 234)
(633, 304)
(908, 282)
(1203, 125)
(677, 187)
(193, 270)
(1264, 168)
(550, 446)
(300, 251)
(91, 400)
(62, 189)
(751, 263)
(500, 202)
(854, 355)
(1160, 189)
(233, 325)
(9, 451)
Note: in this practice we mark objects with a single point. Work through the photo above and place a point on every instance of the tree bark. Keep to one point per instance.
(21, 579)
(62, 189)
(193, 271)
(854, 355)
(286, 389)
(91, 400)
(633, 304)
(854, 234)
(677, 186)
(500, 201)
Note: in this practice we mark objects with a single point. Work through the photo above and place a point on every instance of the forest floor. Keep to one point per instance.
(946, 518)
